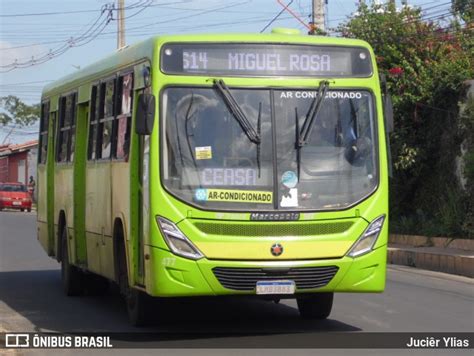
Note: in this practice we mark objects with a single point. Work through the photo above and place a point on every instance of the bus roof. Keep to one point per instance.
(145, 50)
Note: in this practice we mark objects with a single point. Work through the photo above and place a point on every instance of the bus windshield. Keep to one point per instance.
(209, 160)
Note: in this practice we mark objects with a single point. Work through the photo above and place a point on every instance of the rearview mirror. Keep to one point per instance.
(145, 115)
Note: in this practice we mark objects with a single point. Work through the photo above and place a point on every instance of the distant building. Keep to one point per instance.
(18, 161)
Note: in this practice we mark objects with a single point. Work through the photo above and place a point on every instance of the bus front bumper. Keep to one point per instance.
(168, 275)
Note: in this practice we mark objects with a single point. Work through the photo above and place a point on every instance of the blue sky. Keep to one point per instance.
(57, 21)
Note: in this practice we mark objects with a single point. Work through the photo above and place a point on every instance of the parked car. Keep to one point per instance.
(15, 196)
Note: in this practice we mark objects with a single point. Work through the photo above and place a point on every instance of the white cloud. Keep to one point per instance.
(9, 52)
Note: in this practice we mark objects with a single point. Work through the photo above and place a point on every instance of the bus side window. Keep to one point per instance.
(106, 119)
(124, 117)
(73, 112)
(93, 123)
(67, 124)
(63, 131)
(44, 124)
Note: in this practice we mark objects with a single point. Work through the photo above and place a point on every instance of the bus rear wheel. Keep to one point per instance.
(72, 277)
(315, 306)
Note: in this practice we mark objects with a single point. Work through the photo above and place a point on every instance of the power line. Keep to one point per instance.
(277, 16)
(90, 34)
(199, 12)
(26, 83)
(145, 6)
(133, 6)
(189, 16)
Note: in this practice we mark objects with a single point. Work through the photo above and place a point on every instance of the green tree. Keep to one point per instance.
(426, 65)
(15, 111)
(467, 126)
(464, 9)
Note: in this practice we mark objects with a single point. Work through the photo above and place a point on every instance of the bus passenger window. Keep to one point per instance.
(106, 142)
(72, 130)
(123, 139)
(109, 99)
(44, 124)
(126, 86)
(106, 119)
(93, 123)
(63, 132)
(125, 114)
(67, 126)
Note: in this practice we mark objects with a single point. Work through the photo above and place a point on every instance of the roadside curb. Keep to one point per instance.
(447, 260)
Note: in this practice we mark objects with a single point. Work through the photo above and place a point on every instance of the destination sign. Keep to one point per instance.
(265, 60)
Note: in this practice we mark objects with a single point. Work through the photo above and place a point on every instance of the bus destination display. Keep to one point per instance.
(265, 60)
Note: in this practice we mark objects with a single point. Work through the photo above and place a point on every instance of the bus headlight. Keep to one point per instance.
(176, 241)
(367, 240)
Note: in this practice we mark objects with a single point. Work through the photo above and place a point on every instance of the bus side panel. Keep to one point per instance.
(80, 258)
(134, 230)
(50, 181)
(93, 217)
(42, 205)
(98, 214)
(45, 184)
(120, 206)
(63, 201)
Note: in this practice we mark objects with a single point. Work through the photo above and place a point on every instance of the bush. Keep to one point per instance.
(427, 66)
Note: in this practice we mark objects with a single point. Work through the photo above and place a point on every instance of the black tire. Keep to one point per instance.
(138, 307)
(28, 210)
(22, 209)
(136, 301)
(316, 306)
(72, 277)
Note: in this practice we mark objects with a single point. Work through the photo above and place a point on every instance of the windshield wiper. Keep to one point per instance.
(313, 111)
(297, 140)
(237, 112)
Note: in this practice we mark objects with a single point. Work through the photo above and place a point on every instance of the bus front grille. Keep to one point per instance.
(245, 279)
(273, 229)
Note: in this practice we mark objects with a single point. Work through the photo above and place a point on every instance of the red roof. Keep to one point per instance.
(17, 147)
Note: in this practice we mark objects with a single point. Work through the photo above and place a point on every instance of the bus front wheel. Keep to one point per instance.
(315, 306)
(72, 277)
(137, 302)
(137, 307)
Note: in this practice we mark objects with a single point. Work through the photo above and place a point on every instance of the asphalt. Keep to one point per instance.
(31, 299)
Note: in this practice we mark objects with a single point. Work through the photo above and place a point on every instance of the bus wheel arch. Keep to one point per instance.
(137, 302)
(72, 277)
(120, 253)
(61, 226)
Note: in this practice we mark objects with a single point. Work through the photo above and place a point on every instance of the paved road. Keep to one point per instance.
(31, 299)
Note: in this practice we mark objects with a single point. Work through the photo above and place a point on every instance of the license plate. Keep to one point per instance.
(275, 287)
(17, 203)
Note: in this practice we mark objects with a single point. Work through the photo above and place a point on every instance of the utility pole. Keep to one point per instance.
(317, 15)
(120, 24)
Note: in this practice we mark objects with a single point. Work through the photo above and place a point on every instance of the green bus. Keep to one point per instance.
(223, 164)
